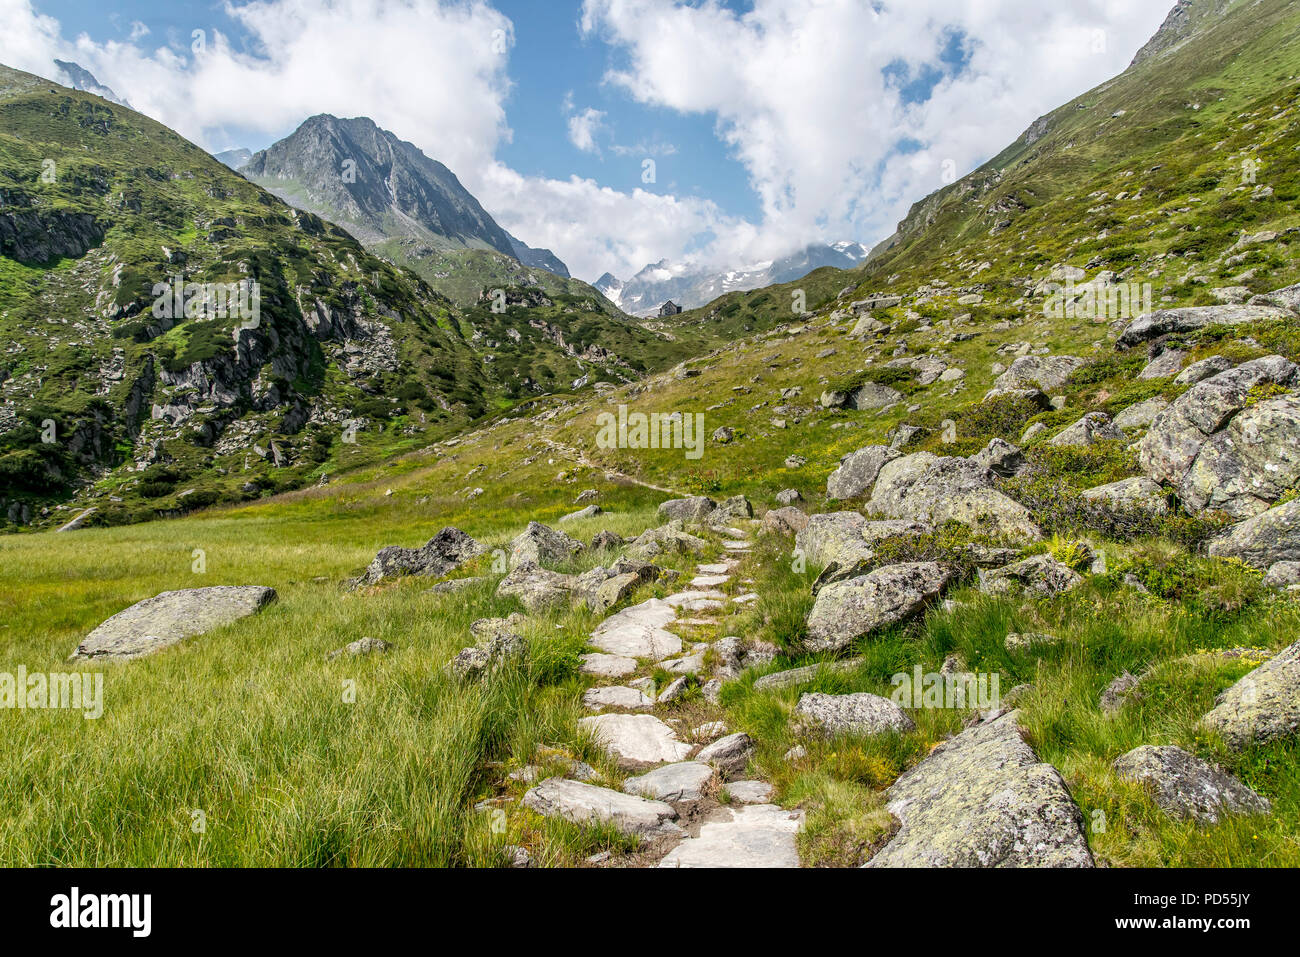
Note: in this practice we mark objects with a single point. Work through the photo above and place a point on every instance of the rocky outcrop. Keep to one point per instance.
(923, 487)
(443, 553)
(857, 472)
(1185, 786)
(1231, 442)
(1265, 540)
(1262, 707)
(1164, 322)
(847, 610)
(983, 799)
(542, 546)
(164, 620)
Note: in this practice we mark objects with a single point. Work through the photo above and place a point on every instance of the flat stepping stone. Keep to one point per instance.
(718, 568)
(696, 622)
(758, 836)
(737, 546)
(732, 532)
(709, 581)
(636, 740)
(983, 799)
(745, 599)
(167, 619)
(587, 804)
(798, 676)
(690, 665)
(630, 699)
(749, 792)
(638, 632)
(686, 597)
(607, 666)
(681, 783)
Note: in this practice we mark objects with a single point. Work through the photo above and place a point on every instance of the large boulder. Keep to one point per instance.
(1130, 493)
(1185, 786)
(1092, 428)
(926, 488)
(1287, 298)
(863, 713)
(833, 537)
(869, 395)
(1040, 574)
(443, 553)
(983, 799)
(1164, 322)
(537, 589)
(581, 803)
(164, 620)
(786, 520)
(1141, 415)
(1265, 540)
(1262, 707)
(858, 470)
(1044, 373)
(1231, 442)
(847, 610)
(694, 508)
(542, 545)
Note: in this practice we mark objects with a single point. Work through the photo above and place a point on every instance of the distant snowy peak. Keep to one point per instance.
(79, 78)
(690, 285)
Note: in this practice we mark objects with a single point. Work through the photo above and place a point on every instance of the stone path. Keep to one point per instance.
(674, 780)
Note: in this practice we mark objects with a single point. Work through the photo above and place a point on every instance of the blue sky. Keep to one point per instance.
(770, 123)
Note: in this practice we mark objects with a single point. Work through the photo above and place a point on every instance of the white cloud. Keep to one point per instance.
(583, 126)
(795, 87)
(801, 100)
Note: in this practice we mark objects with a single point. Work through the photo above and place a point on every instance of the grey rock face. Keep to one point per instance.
(730, 755)
(1205, 369)
(1164, 322)
(1288, 298)
(537, 589)
(761, 836)
(682, 783)
(1221, 448)
(833, 537)
(541, 545)
(171, 617)
(1185, 786)
(1265, 540)
(1131, 493)
(1092, 428)
(1141, 415)
(1044, 373)
(693, 509)
(847, 610)
(784, 521)
(857, 472)
(443, 553)
(1040, 574)
(852, 714)
(587, 804)
(925, 488)
(1262, 707)
(1009, 810)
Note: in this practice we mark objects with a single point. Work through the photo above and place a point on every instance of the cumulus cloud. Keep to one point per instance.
(842, 112)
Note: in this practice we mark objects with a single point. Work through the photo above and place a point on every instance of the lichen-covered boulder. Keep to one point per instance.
(1164, 322)
(926, 488)
(847, 610)
(694, 508)
(858, 470)
(1231, 442)
(1265, 540)
(1131, 493)
(537, 589)
(1262, 707)
(1185, 786)
(862, 713)
(1040, 574)
(983, 799)
(542, 545)
(1092, 428)
(1043, 373)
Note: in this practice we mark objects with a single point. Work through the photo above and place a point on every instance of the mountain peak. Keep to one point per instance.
(1185, 20)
